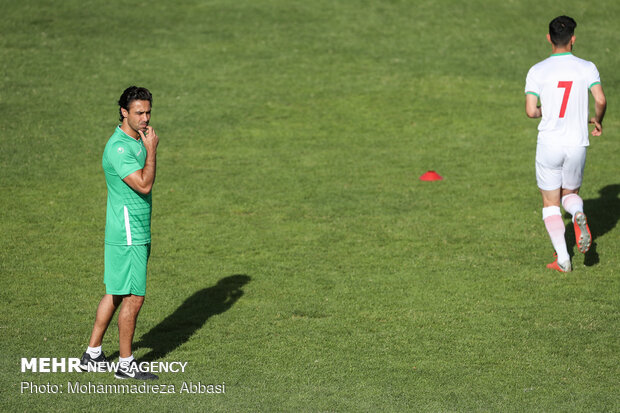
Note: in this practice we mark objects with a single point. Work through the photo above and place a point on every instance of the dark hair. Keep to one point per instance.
(561, 29)
(133, 93)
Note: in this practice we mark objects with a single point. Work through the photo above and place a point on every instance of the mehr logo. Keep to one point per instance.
(121, 149)
(51, 365)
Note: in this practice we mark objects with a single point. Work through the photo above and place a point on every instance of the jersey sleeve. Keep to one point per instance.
(123, 160)
(594, 77)
(531, 85)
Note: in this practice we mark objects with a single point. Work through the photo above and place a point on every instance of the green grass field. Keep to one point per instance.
(296, 256)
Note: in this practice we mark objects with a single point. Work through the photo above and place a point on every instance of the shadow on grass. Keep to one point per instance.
(178, 327)
(603, 214)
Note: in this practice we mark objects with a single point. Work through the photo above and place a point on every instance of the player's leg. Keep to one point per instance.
(572, 174)
(127, 318)
(128, 315)
(552, 217)
(549, 180)
(135, 289)
(105, 311)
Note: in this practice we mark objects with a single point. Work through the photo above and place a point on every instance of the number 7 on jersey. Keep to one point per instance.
(567, 87)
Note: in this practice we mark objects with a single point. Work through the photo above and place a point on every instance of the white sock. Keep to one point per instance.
(572, 203)
(125, 359)
(552, 216)
(94, 352)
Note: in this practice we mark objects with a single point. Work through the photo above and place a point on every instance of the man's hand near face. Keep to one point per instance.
(142, 181)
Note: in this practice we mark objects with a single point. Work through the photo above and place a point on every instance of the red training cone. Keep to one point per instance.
(431, 176)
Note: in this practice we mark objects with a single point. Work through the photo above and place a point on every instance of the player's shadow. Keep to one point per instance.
(603, 214)
(178, 327)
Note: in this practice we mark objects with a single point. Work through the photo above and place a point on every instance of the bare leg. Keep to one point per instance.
(127, 322)
(105, 311)
(569, 191)
(554, 197)
(551, 198)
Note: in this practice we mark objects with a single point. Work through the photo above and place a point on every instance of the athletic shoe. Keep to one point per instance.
(562, 267)
(131, 370)
(582, 232)
(87, 360)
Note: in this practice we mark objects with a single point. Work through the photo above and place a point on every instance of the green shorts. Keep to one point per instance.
(125, 269)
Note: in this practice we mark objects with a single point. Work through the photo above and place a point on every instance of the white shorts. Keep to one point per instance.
(559, 166)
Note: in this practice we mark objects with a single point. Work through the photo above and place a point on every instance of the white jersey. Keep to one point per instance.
(562, 83)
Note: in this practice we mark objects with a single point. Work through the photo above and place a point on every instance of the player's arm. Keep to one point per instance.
(142, 180)
(600, 106)
(531, 106)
